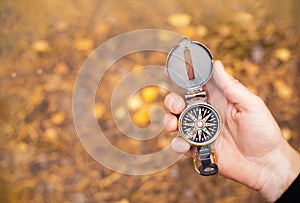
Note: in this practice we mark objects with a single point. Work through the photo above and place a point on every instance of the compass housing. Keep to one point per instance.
(202, 64)
(200, 124)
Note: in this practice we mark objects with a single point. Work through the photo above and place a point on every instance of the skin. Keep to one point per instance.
(251, 149)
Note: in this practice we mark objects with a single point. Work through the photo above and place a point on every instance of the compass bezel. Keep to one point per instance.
(194, 105)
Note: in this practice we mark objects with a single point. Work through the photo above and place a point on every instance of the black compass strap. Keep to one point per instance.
(207, 168)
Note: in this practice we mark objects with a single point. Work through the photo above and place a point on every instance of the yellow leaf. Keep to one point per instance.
(102, 28)
(61, 68)
(84, 45)
(61, 26)
(224, 30)
(149, 94)
(188, 32)
(282, 54)
(284, 91)
(201, 31)
(179, 20)
(41, 46)
(51, 134)
(58, 118)
(244, 18)
(99, 110)
(135, 103)
(141, 118)
(21, 147)
(123, 201)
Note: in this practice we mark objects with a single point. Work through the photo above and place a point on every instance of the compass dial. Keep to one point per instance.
(200, 124)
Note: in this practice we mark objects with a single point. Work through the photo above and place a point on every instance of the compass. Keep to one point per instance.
(189, 65)
(199, 124)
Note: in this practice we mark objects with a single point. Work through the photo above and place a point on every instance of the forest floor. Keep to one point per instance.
(43, 45)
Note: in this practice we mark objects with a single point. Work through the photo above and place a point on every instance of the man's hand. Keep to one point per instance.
(251, 148)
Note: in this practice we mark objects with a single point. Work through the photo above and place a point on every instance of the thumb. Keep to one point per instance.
(235, 92)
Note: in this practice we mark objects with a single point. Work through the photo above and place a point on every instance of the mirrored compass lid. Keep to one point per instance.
(189, 64)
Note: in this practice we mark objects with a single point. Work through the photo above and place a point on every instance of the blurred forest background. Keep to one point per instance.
(42, 47)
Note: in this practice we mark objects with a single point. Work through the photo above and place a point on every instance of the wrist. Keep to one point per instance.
(282, 169)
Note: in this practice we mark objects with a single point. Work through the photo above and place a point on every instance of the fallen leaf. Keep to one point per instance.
(201, 31)
(51, 134)
(135, 102)
(61, 26)
(102, 29)
(283, 90)
(21, 147)
(84, 44)
(61, 68)
(123, 201)
(141, 118)
(224, 30)
(179, 20)
(244, 17)
(99, 110)
(58, 118)
(41, 46)
(188, 32)
(282, 54)
(149, 94)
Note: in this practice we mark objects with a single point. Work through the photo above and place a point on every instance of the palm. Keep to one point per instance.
(241, 148)
(250, 149)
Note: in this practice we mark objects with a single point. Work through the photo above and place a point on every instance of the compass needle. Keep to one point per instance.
(210, 124)
(189, 124)
(206, 117)
(199, 115)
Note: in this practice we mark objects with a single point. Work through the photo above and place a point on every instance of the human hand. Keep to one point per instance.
(251, 148)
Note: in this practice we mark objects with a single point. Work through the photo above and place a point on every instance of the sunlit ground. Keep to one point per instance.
(42, 47)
